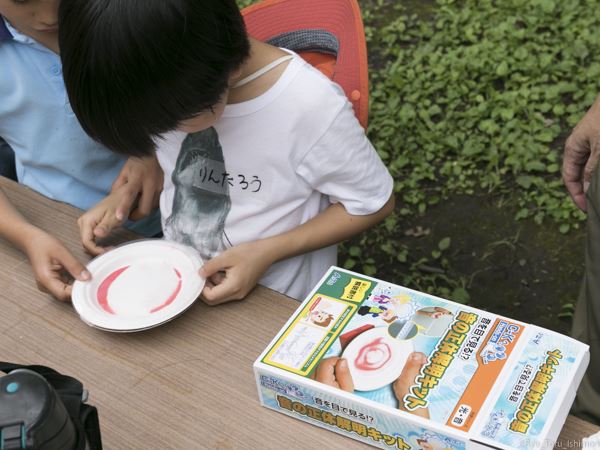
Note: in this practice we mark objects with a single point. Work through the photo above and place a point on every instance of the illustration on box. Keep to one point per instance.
(411, 351)
(395, 348)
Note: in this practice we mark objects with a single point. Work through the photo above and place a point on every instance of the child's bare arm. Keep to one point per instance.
(50, 259)
(245, 264)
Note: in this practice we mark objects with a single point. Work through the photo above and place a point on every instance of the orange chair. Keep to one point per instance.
(329, 34)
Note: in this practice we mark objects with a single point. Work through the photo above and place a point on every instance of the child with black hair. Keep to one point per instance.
(266, 166)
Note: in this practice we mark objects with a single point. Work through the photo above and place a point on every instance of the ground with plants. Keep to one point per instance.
(471, 102)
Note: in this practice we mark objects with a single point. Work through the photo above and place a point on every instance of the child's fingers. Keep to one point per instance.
(213, 266)
(215, 294)
(107, 223)
(325, 371)
(88, 238)
(224, 292)
(146, 201)
(402, 385)
(146, 205)
(51, 277)
(100, 231)
(72, 265)
(343, 375)
(57, 288)
(50, 282)
(217, 278)
(89, 243)
(126, 203)
(411, 370)
(119, 181)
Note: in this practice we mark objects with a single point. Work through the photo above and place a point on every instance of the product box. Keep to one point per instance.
(397, 368)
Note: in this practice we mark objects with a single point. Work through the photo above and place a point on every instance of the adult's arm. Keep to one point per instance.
(582, 151)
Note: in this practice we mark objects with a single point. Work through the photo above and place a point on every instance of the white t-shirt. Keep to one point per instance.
(267, 166)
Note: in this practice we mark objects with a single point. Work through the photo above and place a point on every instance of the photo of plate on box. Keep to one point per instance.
(376, 359)
(139, 285)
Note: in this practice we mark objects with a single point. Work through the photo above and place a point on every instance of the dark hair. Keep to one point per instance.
(135, 69)
(325, 322)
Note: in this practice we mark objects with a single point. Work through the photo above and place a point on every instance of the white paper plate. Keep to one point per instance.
(376, 359)
(139, 285)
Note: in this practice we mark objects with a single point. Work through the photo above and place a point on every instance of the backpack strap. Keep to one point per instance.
(260, 72)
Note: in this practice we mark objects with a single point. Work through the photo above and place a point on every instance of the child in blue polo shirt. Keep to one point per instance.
(53, 155)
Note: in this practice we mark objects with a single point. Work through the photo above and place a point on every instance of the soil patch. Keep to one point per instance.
(518, 269)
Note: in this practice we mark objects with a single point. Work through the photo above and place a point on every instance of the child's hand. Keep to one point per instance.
(141, 180)
(53, 265)
(235, 272)
(402, 385)
(335, 372)
(101, 219)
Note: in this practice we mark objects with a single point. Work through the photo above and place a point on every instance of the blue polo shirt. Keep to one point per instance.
(53, 155)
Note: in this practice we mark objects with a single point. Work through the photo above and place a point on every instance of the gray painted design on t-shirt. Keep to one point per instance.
(202, 202)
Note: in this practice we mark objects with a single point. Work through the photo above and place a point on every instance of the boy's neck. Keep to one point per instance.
(47, 39)
(50, 41)
(261, 54)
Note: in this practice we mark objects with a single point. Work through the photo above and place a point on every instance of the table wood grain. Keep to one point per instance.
(188, 384)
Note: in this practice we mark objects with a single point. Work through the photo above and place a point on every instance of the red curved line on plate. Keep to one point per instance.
(102, 293)
(377, 345)
(171, 297)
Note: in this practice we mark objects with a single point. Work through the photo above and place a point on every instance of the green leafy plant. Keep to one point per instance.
(479, 98)
(472, 97)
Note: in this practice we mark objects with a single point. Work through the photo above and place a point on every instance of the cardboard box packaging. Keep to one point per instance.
(397, 368)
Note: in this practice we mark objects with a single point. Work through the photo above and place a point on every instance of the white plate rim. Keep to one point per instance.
(80, 289)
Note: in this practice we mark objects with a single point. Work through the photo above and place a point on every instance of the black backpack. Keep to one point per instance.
(40, 409)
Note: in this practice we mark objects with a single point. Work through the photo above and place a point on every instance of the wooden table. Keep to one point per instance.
(185, 385)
